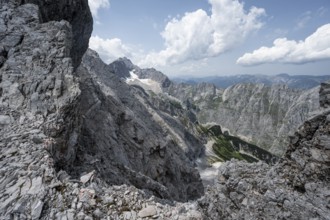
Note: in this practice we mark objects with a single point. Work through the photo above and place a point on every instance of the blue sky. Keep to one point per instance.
(215, 37)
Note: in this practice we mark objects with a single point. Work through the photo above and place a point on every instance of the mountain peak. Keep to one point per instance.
(127, 62)
(122, 67)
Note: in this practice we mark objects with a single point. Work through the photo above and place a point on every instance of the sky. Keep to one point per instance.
(198, 38)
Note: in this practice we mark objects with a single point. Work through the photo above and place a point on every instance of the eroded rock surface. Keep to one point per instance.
(295, 188)
(260, 114)
(69, 135)
(58, 123)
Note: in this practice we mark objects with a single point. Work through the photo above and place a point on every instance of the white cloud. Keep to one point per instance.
(314, 48)
(95, 5)
(110, 49)
(198, 35)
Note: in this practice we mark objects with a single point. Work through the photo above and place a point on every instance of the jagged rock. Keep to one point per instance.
(87, 177)
(325, 94)
(123, 68)
(133, 148)
(36, 209)
(50, 137)
(147, 212)
(259, 114)
(87, 118)
(295, 188)
(77, 13)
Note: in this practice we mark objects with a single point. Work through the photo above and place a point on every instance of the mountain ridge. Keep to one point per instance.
(78, 142)
(263, 115)
(293, 81)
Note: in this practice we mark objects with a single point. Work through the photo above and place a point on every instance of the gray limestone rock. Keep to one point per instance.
(295, 188)
(325, 94)
(130, 145)
(60, 121)
(147, 212)
(77, 13)
(259, 114)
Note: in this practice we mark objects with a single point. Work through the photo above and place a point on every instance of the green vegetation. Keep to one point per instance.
(176, 104)
(227, 147)
(224, 149)
(202, 130)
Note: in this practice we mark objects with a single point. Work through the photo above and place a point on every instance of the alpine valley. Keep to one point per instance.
(81, 139)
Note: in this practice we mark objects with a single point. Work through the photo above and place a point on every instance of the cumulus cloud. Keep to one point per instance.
(110, 49)
(198, 35)
(95, 5)
(314, 48)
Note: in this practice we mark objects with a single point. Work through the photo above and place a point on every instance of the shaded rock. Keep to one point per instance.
(78, 14)
(325, 94)
(130, 147)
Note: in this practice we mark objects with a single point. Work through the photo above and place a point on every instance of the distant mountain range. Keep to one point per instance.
(292, 81)
(263, 110)
(80, 139)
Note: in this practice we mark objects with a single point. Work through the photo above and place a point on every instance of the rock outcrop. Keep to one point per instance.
(325, 94)
(77, 142)
(60, 122)
(263, 115)
(77, 13)
(133, 145)
(259, 114)
(149, 79)
(295, 188)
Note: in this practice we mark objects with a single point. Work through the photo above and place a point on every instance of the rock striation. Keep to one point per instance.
(77, 142)
(135, 143)
(77, 13)
(295, 188)
(262, 115)
(325, 94)
(67, 136)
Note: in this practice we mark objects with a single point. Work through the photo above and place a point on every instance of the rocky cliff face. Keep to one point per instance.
(77, 13)
(60, 120)
(135, 137)
(295, 188)
(259, 114)
(39, 80)
(264, 115)
(79, 143)
(149, 79)
(182, 101)
(325, 94)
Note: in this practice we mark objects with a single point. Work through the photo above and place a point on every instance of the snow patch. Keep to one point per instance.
(146, 84)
